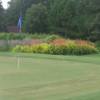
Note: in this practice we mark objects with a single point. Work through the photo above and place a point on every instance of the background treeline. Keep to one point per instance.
(70, 18)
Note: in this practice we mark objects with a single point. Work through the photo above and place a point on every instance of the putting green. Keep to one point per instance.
(47, 77)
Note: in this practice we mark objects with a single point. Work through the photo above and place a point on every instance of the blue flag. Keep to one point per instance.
(20, 24)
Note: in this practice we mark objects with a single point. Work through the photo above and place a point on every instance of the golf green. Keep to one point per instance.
(48, 77)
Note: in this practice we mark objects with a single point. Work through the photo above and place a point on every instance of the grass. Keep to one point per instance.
(48, 77)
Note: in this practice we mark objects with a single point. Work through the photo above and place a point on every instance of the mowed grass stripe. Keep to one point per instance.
(48, 79)
(94, 59)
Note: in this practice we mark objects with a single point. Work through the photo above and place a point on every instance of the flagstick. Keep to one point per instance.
(18, 62)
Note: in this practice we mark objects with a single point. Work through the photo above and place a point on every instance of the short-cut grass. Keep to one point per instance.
(48, 77)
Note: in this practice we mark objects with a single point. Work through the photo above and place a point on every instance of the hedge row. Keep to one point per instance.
(24, 36)
(67, 49)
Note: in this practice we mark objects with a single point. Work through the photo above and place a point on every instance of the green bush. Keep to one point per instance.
(98, 45)
(11, 36)
(50, 38)
(26, 49)
(68, 49)
(22, 36)
(41, 48)
(72, 50)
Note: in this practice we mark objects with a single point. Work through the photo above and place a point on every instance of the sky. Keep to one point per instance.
(4, 3)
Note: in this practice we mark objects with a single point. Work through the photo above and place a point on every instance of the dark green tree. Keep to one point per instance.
(36, 19)
(1, 17)
(19, 6)
(75, 18)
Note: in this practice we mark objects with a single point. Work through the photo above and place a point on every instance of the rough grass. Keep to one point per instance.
(46, 77)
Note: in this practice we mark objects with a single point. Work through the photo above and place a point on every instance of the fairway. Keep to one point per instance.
(48, 77)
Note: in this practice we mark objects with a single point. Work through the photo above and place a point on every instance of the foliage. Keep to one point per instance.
(70, 18)
(75, 18)
(95, 36)
(12, 36)
(19, 6)
(52, 37)
(73, 47)
(22, 36)
(36, 19)
(59, 41)
(69, 48)
(1, 18)
(41, 48)
(98, 44)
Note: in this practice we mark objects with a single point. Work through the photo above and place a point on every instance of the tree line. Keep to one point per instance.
(71, 18)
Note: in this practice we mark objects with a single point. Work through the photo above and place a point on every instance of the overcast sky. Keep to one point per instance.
(4, 3)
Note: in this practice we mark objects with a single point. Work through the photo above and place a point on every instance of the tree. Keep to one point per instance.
(36, 19)
(75, 18)
(19, 6)
(61, 14)
(1, 17)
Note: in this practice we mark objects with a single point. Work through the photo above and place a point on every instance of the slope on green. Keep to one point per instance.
(48, 77)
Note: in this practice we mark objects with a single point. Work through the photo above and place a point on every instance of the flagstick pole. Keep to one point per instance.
(20, 30)
(18, 63)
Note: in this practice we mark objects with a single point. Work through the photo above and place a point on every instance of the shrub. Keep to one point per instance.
(19, 48)
(84, 49)
(69, 48)
(59, 41)
(41, 48)
(22, 36)
(98, 44)
(51, 38)
(58, 50)
(72, 50)
(11, 36)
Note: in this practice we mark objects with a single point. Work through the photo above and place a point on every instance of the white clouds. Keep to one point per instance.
(4, 3)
